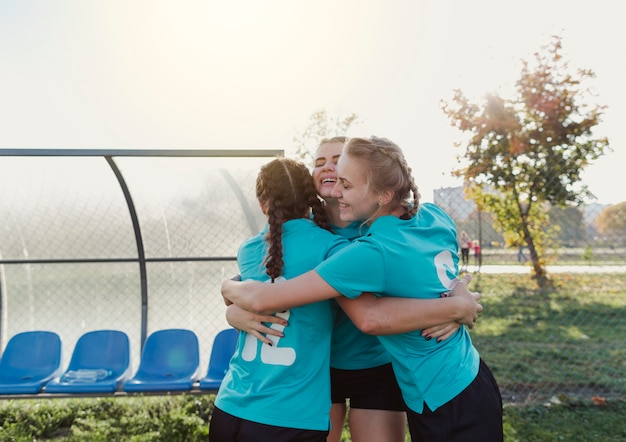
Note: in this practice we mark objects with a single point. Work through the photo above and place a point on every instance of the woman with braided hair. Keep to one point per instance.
(281, 391)
(363, 387)
(410, 250)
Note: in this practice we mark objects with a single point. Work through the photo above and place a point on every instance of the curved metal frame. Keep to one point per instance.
(141, 255)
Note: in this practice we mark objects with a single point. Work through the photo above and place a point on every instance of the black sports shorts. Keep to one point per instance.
(474, 414)
(369, 388)
(225, 427)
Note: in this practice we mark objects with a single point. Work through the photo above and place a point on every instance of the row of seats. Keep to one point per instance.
(100, 363)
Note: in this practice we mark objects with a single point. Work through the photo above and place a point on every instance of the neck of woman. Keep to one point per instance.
(401, 211)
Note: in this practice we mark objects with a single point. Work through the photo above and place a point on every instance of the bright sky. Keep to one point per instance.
(248, 74)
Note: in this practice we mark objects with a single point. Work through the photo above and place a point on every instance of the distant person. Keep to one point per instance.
(478, 255)
(521, 257)
(465, 243)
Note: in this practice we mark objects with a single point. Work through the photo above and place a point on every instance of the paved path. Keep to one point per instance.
(522, 268)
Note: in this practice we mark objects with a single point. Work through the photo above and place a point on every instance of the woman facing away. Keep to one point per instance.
(281, 392)
(449, 391)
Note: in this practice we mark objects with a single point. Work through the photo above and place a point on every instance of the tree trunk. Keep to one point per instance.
(539, 271)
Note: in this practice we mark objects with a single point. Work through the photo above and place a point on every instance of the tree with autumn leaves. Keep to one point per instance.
(321, 125)
(525, 154)
(612, 221)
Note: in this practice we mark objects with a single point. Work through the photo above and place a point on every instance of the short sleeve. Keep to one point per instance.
(356, 269)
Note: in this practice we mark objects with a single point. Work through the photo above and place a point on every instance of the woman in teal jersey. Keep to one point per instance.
(281, 392)
(449, 391)
(361, 374)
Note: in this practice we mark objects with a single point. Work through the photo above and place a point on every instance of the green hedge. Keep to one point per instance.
(132, 418)
(185, 418)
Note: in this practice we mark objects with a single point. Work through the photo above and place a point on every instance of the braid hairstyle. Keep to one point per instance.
(287, 190)
(387, 169)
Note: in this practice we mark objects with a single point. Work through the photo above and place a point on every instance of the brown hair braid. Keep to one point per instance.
(387, 169)
(286, 188)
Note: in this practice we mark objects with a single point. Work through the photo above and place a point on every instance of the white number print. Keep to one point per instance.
(445, 269)
(271, 355)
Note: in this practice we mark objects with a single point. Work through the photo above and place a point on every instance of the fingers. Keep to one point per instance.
(260, 331)
(260, 337)
(431, 331)
(256, 324)
(271, 318)
(475, 318)
(467, 278)
(261, 328)
(445, 336)
(441, 332)
(268, 330)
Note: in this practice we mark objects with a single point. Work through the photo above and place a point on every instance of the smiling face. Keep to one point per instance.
(357, 200)
(325, 169)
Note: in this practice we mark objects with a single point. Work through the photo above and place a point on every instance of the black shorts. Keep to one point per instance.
(474, 414)
(370, 388)
(225, 427)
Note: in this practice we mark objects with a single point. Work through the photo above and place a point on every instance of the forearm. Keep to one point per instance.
(392, 315)
(259, 297)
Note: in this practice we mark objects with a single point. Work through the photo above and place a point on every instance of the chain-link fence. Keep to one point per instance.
(141, 241)
(134, 242)
(567, 340)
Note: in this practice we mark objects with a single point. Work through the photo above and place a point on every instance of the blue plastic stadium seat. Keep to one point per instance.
(223, 348)
(29, 361)
(100, 364)
(169, 362)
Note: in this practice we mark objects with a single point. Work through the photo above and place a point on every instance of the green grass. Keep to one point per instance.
(571, 421)
(559, 357)
(569, 340)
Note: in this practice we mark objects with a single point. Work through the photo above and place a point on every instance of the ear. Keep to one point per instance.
(385, 197)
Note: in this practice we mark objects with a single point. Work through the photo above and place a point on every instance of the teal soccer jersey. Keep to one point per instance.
(286, 384)
(352, 349)
(414, 258)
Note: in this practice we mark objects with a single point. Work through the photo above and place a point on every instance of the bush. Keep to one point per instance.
(130, 418)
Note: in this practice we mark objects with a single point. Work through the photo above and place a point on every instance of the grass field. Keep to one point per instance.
(567, 341)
